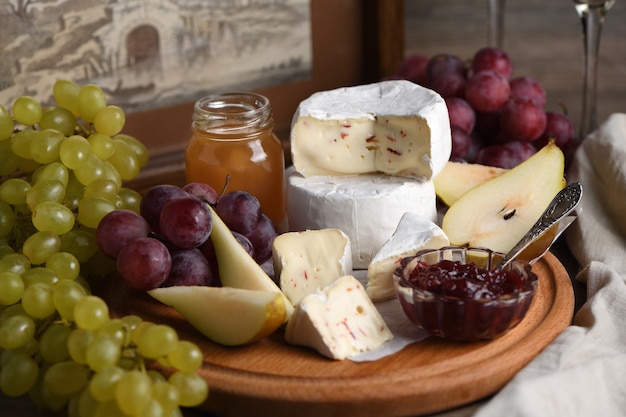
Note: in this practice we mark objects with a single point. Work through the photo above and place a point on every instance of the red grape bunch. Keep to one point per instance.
(496, 118)
(168, 242)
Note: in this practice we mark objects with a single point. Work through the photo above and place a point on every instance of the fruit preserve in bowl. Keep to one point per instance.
(457, 294)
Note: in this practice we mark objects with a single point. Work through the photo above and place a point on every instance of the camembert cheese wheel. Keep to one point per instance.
(394, 127)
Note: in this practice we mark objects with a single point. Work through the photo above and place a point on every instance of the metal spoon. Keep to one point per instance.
(562, 204)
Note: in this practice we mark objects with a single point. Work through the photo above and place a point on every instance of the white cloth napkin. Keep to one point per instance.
(583, 372)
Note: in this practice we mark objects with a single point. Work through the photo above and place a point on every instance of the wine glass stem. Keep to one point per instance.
(496, 22)
(592, 19)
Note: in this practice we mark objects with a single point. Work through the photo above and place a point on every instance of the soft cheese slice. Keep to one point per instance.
(339, 322)
(366, 207)
(413, 234)
(394, 127)
(310, 260)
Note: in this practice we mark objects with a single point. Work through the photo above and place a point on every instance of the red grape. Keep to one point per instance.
(208, 250)
(185, 222)
(527, 87)
(558, 127)
(521, 119)
(505, 156)
(189, 267)
(487, 91)
(245, 243)
(153, 201)
(492, 59)
(118, 228)
(240, 210)
(144, 263)
(449, 84)
(461, 114)
(523, 149)
(461, 143)
(262, 238)
(413, 68)
(444, 64)
(203, 191)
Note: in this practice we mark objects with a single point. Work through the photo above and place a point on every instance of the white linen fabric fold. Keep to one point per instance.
(583, 371)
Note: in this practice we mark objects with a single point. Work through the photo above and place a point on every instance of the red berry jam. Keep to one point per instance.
(450, 297)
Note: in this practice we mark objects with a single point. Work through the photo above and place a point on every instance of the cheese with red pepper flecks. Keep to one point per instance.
(339, 321)
(310, 260)
(394, 127)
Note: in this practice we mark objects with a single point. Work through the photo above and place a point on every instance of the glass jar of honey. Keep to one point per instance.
(234, 144)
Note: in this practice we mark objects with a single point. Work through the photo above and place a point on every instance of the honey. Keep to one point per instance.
(234, 145)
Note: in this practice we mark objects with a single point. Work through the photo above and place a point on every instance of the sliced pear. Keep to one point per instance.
(497, 213)
(457, 178)
(236, 267)
(229, 316)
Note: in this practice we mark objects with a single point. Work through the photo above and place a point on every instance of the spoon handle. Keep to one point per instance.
(562, 204)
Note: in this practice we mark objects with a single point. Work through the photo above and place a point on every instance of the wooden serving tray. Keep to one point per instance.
(271, 378)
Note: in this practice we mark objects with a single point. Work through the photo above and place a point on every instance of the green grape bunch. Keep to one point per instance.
(62, 170)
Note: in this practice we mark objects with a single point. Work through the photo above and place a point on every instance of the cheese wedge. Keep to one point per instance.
(394, 127)
(339, 322)
(307, 261)
(413, 234)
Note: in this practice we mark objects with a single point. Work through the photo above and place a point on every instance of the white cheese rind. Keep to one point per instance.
(394, 127)
(309, 260)
(366, 207)
(413, 234)
(339, 322)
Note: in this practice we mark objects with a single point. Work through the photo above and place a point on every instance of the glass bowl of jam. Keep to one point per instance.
(457, 294)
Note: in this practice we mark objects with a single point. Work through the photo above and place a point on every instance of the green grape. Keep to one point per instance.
(6, 124)
(53, 171)
(89, 170)
(53, 343)
(117, 330)
(37, 300)
(5, 249)
(58, 118)
(187, 356)
(14, 262)
(91, 312)
(65, 93)
(102, 187)
(74, 151)
(153, 409)
(28, 165)
(86, 404)
(77, 343)
(80, 243)
(52, 400)
(11, 288)
(124, 160)
(91, 99)
(27, 110)
(9, 162)
(39, 275)
(157, 341)
(73, 192)
(129, 199)
(156, 376)
(102, 384)
(92, 209)
(31, 348)
(40, 245)
(133, 392)
(101, 145)
(44, 147)
(166, 394)
(20, 142)
(13, 191)
(103, 351)
(65, 296)
(53, 217)
(7, 218)
(45, 190)
(112, 173)
(192, 388)
(141, 151)
(10, 311)
(141, 327)
(18, 375)
(64, 264)
(109, 409)
(16, 331)
(109, 120)
(66, 378)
